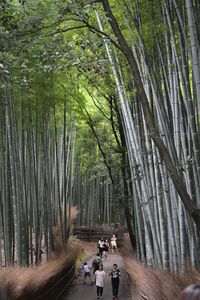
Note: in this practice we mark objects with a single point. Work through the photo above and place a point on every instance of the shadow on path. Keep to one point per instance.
(88, 292)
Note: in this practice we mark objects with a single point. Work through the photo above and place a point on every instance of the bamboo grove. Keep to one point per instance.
(100, 109)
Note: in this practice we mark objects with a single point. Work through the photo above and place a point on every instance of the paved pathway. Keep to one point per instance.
(88, 292)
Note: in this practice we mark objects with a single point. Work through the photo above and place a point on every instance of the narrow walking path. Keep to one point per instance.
(88, 292)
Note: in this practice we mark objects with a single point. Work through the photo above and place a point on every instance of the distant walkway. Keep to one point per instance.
(88, 292)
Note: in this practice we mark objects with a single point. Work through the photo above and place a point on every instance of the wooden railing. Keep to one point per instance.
(94, 234)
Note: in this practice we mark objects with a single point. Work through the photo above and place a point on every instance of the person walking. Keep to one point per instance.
(99, 278)
(86, 270)
(96, 261)
(115, 274)
(192, 292)
(101, 247)
(106, 248)
(113, 243)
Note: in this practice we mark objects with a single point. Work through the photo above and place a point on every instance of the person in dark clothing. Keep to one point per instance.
(106, 248)
(101, 247)
(192, 292)
(115, 274)
(96, 262)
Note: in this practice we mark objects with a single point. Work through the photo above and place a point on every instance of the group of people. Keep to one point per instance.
(105, 245)
(99, 276)
(192, 292)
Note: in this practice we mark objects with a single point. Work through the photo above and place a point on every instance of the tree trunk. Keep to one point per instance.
(149, 119)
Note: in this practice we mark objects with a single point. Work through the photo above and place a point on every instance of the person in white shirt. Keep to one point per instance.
(99, 277)
(114, 243)
(86, 270)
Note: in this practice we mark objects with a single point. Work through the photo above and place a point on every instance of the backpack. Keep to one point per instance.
(96, 261)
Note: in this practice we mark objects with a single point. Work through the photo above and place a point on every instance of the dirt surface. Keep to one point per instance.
(87, 292)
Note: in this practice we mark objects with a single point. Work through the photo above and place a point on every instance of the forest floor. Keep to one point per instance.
(86, 292)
